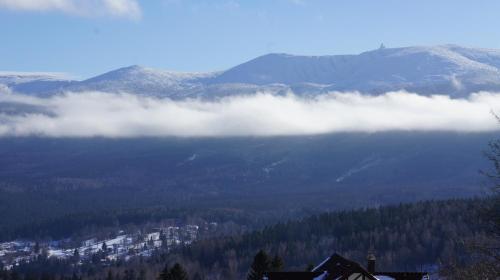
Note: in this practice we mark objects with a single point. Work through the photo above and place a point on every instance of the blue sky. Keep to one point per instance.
(190, 35)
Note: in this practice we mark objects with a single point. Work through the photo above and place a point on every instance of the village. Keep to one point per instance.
(122, 246)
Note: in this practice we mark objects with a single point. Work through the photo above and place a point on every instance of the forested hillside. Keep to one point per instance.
(405, 237)
(408, 236)
(44, 180)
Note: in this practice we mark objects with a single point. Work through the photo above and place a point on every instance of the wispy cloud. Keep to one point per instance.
(123, 115)
(114, 8)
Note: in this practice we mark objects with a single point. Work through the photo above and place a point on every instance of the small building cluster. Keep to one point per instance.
(123, 246)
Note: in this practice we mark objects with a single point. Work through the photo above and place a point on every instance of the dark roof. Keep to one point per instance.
(403, 275)
(299, 275)
(337, 266)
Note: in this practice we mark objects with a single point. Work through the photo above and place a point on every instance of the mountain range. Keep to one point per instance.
(45, 178)
(445, 69)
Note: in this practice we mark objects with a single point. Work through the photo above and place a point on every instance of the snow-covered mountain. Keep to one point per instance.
(12, 78)
(39, 83)
(446, 69)
(141, 80)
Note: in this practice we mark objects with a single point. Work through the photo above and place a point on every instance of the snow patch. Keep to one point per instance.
(321, 264)
(323, 276)
(365, 164)
(383, 277)
(273, 165)
(189, 159)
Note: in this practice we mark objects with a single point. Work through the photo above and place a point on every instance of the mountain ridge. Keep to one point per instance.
(443, 69)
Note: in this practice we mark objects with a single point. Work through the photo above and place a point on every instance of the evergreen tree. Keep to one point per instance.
(487, 249)
(277, 263)
(142, 274)
(485, 252)
(4, 274)
(178, 273)
(129, 274)
(163, 237)
(45, 276)
(76, 255)
(110, 275)
(104, 247)
(36, 249)
(260, 265)
(165, 273)
(30, 276)
(492, 213)
(14, 275)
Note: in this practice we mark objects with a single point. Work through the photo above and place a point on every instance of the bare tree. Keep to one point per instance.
(484, 261)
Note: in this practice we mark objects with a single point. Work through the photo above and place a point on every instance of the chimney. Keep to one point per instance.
(371, 262)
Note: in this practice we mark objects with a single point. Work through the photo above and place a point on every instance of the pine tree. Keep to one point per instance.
(45, 276)
(260, 265)
(277, 263)
(14, 275)
(165, 273)
(36, 249)
(129, 274)
(142, 274)
(178, 273)
(3, 272)
(110, 275)
(76, 255)
(492, 213)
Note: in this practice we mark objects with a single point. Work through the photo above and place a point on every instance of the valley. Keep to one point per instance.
(43, 179)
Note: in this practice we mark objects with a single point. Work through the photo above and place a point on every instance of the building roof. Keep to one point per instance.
(401, 275)
(297, 275)
(337, 267)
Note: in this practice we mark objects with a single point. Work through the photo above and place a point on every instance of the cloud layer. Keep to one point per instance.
(115, 8)
(122, 115)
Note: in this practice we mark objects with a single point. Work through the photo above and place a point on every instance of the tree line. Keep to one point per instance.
(414, 236)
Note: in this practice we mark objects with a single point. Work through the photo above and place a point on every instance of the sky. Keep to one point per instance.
(89, 37)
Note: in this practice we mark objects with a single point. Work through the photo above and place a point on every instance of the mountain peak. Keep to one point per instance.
(382, 69)
(134, 67)
(441, 69)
